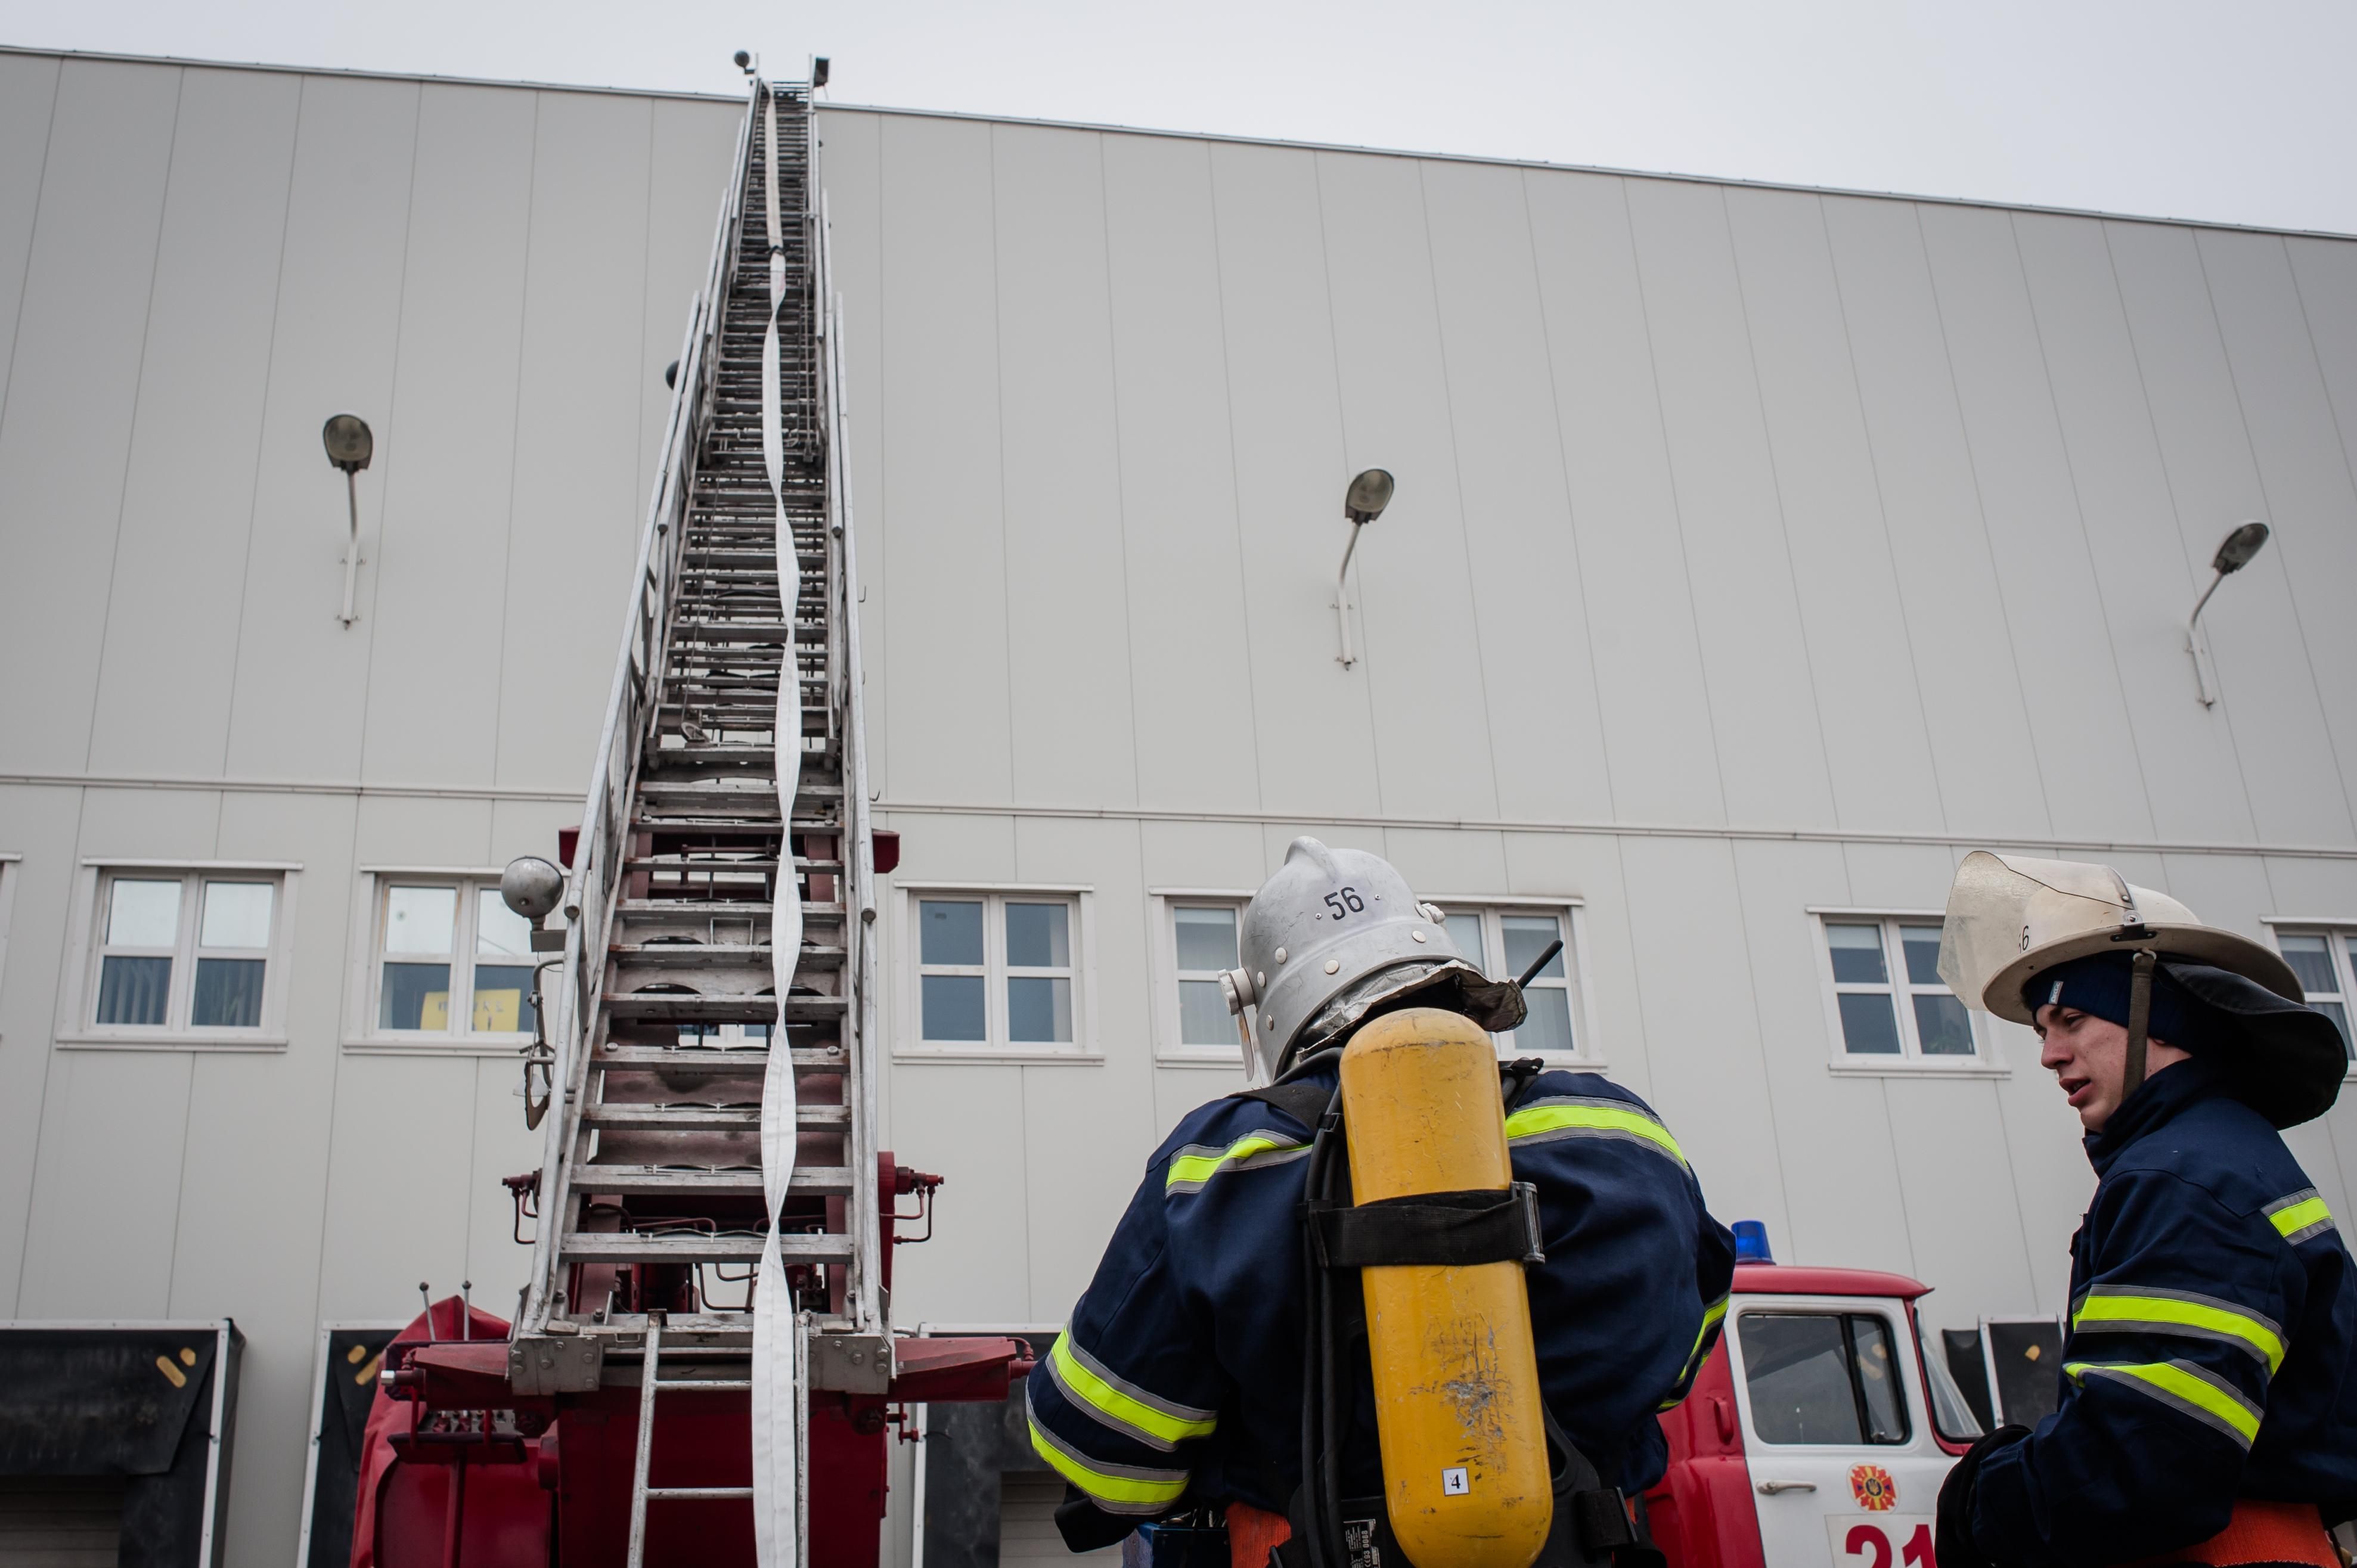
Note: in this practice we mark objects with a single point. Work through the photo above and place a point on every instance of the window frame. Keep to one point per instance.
(1171, 1048)
(77, 1027)
(2340, 939)
(908, 1039)
(1914, 1399)
(1911, 1061)
(1586, 1055)
(365, 976)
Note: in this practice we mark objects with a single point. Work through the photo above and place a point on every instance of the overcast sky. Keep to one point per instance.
(2239, 113)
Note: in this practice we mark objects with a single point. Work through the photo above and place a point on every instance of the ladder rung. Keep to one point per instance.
(691, 1493)
(704, 1118)
(662, 1181)
(694, 1246)
(706, 1385)
(716, 1059)
(677, 1007)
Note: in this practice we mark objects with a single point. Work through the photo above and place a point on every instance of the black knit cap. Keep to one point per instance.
(2282, 1059)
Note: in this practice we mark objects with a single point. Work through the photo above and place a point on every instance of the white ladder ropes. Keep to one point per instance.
(709, 1191)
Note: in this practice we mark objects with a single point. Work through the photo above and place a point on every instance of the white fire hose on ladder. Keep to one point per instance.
(776, 1341)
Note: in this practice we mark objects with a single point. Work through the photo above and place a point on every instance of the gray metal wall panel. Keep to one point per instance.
(575, 507)
(302, 680)
(947, 571)
(2326, 273)
(2121, 486)
(47, 823)
(2304, 474)
(2270, 704)
(851, 152)
(251, 1198)
(1862, 653)
(1851, 1207)
(1546, 735)
(436, 605)
(1312, 722)
(2045, 569)
(66, 430)
(1988, 766)
(29, 95)
(1191, 676)
(171, 627)
(1425, 681)
(1660, 750)
(1087, 1128)
(1703, 1020)
(1731, 527)
(1066, 589)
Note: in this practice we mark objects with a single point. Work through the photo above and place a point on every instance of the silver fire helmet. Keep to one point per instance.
(1334, 933)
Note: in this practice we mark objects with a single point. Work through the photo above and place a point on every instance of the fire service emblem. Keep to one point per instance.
(1872, 1487)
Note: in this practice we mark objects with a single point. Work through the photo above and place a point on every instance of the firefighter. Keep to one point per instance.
(2209, 1403)
(1178, 1380)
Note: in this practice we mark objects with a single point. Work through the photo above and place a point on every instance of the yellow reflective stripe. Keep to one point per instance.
(1197, 1163)
(2183, 1386)
(2105, 1309)
(1117, 1488)
(1593, 1117)
(1158, 1423)
(1713, 1315)
(2301, 1216)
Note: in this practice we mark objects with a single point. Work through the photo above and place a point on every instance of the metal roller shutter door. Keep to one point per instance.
(1026, 1525)
(61, 1521)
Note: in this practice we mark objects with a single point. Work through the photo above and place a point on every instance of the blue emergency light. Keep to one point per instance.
(1751, 1242)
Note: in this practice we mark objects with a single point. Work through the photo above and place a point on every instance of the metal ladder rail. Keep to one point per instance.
(605, 812)
(706, 607)
(642, 1494)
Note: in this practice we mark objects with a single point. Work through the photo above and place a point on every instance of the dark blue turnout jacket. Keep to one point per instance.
(1180, 1373)
(2213, 1317)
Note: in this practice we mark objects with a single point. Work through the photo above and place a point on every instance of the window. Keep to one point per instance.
(1505, 941)
(451, 960)
(1888, 1000)
(997, 971)
(1822, 1377)
(181, 953)
(2326, 963)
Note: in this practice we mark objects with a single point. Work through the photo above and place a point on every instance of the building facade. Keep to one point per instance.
(1757, 553)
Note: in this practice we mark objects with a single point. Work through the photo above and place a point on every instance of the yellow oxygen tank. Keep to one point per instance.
(1457, 1377)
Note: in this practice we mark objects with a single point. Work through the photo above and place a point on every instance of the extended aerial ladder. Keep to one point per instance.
(704, 1364)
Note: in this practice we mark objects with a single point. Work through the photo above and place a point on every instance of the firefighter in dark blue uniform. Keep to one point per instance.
(2208, 1398)
(1178, 1380)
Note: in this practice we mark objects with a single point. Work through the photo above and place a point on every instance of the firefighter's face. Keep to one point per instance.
(2089, 1058)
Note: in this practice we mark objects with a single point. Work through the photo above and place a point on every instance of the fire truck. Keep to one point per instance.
(1818, 1432)
(703, 1368)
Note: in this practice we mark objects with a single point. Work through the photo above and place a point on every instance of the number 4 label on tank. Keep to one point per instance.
(1454, 1482)
(1893, 1541)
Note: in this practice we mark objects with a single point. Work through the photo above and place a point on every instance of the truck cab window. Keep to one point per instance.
(1823, 1377)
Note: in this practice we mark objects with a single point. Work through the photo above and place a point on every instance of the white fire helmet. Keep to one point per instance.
(1335, 933)
(2011, 916)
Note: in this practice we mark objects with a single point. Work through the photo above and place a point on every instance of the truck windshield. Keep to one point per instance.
(1823, 1377)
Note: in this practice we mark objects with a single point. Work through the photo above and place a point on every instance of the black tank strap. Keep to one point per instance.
(1305, 1102)
(1451, 1229)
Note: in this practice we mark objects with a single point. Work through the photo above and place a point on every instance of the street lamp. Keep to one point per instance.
(1361, 503)
(531, 888)
(350, 447)
(2234, 552)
